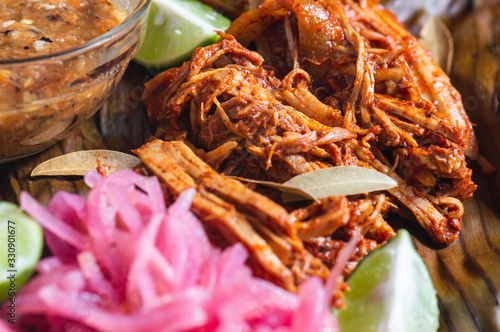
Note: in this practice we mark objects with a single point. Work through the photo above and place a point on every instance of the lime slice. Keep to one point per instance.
(176, 28)
(391, 291)
(21, 243)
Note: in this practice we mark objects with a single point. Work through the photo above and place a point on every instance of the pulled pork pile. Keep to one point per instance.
(276, 239)
(333, 83)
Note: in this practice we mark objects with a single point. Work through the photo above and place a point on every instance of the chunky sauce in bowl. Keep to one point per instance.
(53, 75)
(38, 27)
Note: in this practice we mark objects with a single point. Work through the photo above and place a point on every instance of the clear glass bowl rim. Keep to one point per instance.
(100, 40)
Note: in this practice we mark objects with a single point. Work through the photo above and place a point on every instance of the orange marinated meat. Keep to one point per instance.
(284, 247)
(323, 91)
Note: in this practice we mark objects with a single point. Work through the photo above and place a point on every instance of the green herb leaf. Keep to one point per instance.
(78, 163)
(332, 181)
(295, 192)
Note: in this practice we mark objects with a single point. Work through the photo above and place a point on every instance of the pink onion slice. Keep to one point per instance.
(123, 261)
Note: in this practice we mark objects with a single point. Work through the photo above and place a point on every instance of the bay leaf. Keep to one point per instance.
(78, 163)
(437, 39)
(295, 191)
(332, 181)
(341, 180)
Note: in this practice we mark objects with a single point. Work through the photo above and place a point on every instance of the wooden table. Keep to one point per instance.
(466, 274)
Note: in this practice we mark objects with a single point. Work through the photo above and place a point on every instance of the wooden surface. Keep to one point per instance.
(466, 274)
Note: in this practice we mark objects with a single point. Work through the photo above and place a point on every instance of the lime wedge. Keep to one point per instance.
(391, 291)
(176, 28)
(21, 243)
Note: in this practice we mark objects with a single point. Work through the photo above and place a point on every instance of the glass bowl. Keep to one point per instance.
(43, 98)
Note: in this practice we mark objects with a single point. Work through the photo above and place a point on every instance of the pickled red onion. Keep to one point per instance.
(123, 262)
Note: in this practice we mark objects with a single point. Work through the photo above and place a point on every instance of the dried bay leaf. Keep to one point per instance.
(341, 180)
(78, 163)
(332, 181)
(297, 192)
(436, 37)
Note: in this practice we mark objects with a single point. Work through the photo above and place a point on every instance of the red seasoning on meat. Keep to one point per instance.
(334, 82)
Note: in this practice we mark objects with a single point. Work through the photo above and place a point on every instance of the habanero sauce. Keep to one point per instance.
(38, 27)
(42, 97)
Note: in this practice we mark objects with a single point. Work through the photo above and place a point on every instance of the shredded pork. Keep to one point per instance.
(232, 213)
(330, 83)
